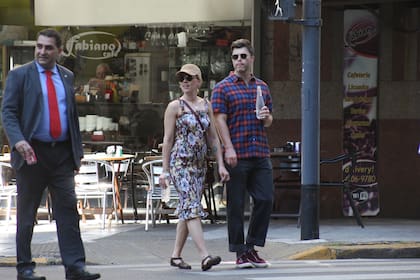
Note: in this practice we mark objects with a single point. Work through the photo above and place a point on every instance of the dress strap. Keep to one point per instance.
(182, 105)
(206, 105)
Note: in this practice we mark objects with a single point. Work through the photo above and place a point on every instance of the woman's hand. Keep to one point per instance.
(164, 180)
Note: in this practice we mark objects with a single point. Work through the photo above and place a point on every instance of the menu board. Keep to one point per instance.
(360, 109)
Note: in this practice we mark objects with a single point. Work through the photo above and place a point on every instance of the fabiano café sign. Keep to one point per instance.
(96, 45)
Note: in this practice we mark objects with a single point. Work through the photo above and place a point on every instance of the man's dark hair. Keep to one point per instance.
(241, 43)
(52, 33)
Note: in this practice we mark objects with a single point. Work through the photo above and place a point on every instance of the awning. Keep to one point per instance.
(131, 12)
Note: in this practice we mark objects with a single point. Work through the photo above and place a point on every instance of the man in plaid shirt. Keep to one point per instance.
(246, 153)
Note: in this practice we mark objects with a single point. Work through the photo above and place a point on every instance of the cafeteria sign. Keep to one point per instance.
(95, 45)
(360, 83)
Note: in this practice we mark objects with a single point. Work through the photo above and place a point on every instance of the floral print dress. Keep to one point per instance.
(188, 161)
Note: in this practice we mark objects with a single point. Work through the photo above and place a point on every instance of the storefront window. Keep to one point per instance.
(125, 76)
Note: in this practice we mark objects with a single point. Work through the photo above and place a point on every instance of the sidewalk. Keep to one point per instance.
(129, 244)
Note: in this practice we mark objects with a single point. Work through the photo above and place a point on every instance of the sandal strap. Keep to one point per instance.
(205, 259)
(181, 264)
(209, 261)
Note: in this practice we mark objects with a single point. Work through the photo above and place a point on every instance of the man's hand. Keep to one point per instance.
(26, 151)
(230, 157)
(264, 113)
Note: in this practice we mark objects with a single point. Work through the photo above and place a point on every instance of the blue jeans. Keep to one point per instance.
(254, 175)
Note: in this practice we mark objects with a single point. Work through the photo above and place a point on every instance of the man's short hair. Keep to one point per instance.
(241, 43)
(52, 33)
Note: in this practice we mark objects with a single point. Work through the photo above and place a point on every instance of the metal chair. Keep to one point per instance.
(95, 181)
(157, 199)
(8, 189)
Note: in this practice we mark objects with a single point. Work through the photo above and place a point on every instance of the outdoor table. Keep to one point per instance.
(100, 145)
(286, 177)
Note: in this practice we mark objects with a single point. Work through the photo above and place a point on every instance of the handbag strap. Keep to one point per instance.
(194, 112)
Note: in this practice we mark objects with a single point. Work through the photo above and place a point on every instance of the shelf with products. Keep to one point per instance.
(134, 124)
(213, 61)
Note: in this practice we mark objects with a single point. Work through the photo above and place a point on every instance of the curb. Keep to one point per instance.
(384, 250)
(353, 251)
(11, 261)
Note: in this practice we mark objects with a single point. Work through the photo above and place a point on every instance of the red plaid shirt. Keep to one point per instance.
(233, 97)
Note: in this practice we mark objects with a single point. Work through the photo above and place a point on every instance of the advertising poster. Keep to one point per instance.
(360, 109)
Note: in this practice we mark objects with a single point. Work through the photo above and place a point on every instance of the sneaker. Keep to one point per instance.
(255, 260)
(243, 261)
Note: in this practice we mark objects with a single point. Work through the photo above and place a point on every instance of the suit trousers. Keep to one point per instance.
(55, 171)
(255, 176)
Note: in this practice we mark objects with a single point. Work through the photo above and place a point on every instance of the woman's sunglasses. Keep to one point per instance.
(236, 56)
(182, 77)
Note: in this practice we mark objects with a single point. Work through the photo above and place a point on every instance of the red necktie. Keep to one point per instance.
(55, 125)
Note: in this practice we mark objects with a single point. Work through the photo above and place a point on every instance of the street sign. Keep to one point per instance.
(281, 9)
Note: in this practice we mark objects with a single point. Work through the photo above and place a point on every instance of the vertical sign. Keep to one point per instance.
(360, 109)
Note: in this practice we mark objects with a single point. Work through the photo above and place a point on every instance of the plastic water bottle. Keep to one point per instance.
(166, 193)
(259, 102)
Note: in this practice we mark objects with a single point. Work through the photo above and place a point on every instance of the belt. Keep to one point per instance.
(50, 144)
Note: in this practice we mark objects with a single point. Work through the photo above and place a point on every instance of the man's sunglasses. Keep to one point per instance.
(182, 77)
(236, 56)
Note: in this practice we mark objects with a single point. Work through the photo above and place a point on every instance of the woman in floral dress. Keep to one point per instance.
(188, 129)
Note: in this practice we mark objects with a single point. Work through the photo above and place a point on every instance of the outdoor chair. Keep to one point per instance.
(94, 184)
(8, 189)
(157, 200)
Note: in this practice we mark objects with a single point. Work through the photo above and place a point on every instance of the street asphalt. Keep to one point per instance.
(129, 243)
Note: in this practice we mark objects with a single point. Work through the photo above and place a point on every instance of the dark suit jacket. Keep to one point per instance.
(22, 102)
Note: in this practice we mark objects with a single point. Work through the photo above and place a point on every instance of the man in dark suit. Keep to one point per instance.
(41, 122)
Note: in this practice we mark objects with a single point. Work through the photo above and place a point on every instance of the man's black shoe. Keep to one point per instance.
(82, 275)
(29, 274)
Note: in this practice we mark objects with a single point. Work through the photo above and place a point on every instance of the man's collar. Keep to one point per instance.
(238, 78)
(42, 69)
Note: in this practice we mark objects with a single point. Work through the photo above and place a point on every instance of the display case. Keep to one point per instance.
(213, 61)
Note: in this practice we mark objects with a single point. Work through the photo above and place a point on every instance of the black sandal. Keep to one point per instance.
(209, 261)
(179, 262)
